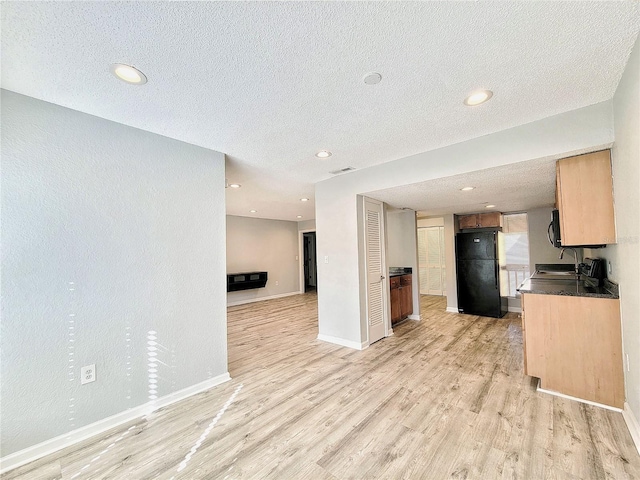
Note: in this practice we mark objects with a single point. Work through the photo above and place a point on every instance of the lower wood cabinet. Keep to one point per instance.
(401, 297)
(574, 346)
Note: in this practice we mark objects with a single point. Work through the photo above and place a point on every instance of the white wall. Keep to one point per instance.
(430, 222)
(307, 225)
(340, 307)
(625, 256)
(108, 233)
(540, 250)
(402, 248)
(257, 244)
(450, 230)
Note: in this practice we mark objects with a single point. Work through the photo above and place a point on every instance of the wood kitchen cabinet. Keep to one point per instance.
(406, 296)
(401, 297)
(396, 308)
(574, 346)
(480, 220)
(584, 198)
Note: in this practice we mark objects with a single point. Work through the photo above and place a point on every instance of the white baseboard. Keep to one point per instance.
(259, 299)
(342, 342)
(577, 399)
(22, 457)
(515, 309)
(632, 425)
(414, 317)
(452, 310)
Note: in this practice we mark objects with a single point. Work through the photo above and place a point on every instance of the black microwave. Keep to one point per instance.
(553, 232)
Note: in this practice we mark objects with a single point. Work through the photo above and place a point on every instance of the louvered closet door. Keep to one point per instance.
(434, 261)
(431, 260)
(423, 271)
(376, 276)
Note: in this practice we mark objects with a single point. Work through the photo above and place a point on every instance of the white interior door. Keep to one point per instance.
(376, 275)
(431, 263)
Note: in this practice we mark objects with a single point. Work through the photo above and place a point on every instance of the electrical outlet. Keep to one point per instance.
(88, 374)
(296, 258)
(609, 267)
(277, 283)
(326, 259)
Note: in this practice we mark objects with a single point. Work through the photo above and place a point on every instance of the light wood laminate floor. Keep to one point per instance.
(443, 398)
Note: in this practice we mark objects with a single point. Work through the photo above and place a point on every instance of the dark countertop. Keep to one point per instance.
(574, 287)
(398, 271)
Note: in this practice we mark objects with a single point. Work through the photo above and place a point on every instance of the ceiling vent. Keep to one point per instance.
(342, 170)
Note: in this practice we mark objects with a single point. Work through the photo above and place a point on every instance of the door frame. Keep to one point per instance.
(386, 304)
(301, 258)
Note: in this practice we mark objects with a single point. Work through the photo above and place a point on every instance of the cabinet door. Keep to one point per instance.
(574, 345)
(585, 199)
(468, 221)
(406, 296)
(524, 333)
(396, 307)
(492, 219)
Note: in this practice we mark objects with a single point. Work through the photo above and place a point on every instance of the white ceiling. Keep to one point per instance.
(515, 187)
(271, 83)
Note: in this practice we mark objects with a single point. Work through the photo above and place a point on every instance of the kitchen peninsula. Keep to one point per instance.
(571, 334)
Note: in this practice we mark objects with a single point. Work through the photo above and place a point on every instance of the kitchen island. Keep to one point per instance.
(572, 337)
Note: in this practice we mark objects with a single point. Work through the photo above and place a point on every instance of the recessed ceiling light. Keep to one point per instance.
(466, 189)
(298, 216)
(304, 199)
(128, 74)
(372, 78)
(253, 211)
(478, 97)
(235, 185)
(489, 206)
(323, 154)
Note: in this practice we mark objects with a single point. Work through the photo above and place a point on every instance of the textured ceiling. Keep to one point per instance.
(271, 83)
(515, 187)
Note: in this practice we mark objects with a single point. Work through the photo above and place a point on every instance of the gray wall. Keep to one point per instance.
(257, 244)
(402, 248)
(341, 310)
(625, 256)
(540, 250)
(108, 233)
(401, 239)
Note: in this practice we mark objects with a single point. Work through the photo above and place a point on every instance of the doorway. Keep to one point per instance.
(309, 261)
(431, 261)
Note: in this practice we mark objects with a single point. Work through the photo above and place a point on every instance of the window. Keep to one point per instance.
(516, 243)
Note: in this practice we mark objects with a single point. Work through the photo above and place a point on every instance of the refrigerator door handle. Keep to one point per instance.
(497, 273)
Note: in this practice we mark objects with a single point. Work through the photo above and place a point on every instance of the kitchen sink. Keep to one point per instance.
(559, 272)
(569, 276)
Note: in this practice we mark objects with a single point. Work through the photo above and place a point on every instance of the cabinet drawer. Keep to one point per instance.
(405, 280)
(395, 282)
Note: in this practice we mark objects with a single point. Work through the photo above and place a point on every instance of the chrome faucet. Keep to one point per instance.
(575, 256)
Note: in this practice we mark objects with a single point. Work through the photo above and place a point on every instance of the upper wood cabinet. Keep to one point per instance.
(480, 220)
(584, 197)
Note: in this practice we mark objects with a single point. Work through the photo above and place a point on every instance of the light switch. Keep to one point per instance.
(326, 259)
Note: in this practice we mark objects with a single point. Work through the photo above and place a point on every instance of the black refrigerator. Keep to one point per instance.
(479, 258)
